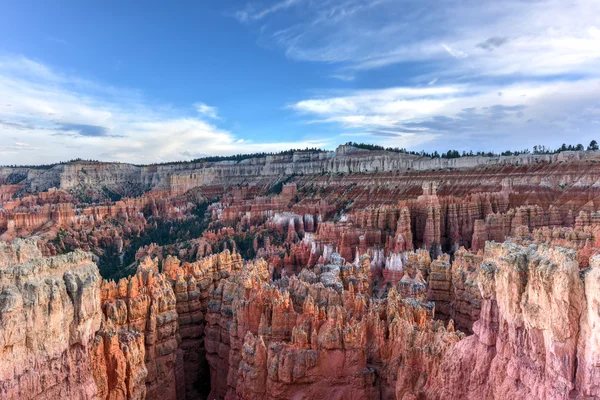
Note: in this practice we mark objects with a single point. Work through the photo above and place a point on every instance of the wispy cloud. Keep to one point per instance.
(103, 122)
(454, 52)
(534, 37)
(467, 116)
(344, 77)
(204, 109)
(68, 128)
(256, 12)
(55, 39)
(14, 148)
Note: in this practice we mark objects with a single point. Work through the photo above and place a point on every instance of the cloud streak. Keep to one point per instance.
(253, 12)
(466, 116)
(535, 37)
(204, 109)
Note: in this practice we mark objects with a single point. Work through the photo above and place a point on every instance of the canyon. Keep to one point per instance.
(351, 274)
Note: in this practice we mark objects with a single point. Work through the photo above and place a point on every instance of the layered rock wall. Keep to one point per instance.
(49, 315)
(180, 177)
(528, 342)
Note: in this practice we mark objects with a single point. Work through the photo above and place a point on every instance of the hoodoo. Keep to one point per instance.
(255, 284)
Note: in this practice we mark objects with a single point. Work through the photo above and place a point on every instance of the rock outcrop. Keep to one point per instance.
(529, 339)
(49, 315)
(143, 307)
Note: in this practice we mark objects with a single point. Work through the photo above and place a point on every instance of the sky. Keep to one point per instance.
(153, 81)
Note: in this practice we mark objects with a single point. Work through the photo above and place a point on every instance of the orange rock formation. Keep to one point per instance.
(364, 275)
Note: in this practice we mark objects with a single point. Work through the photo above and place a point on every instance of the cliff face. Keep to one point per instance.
(588, 347)
(49, 315)
(66, 333)
(529, 340)
(144, 305)
(18, 252)
(192, 284)
(133, 180)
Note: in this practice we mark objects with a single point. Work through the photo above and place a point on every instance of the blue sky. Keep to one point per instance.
(120, 81)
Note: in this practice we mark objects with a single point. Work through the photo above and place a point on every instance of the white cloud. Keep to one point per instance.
(46, 116)
(454, 52)
(254, 13)
(523, 70)
(545, 111)
(483, 37)
(207, 110)
(385, 107)
(344, 77)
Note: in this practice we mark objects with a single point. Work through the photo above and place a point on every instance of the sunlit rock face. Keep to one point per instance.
(49, 315)
(154, 328)
(67, 333)
(144, 305)
(532, 339)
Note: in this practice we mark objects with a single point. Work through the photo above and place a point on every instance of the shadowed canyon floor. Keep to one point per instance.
(346, 275)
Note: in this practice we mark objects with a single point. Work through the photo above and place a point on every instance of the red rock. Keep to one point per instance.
(49, 315)
(343, 299)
